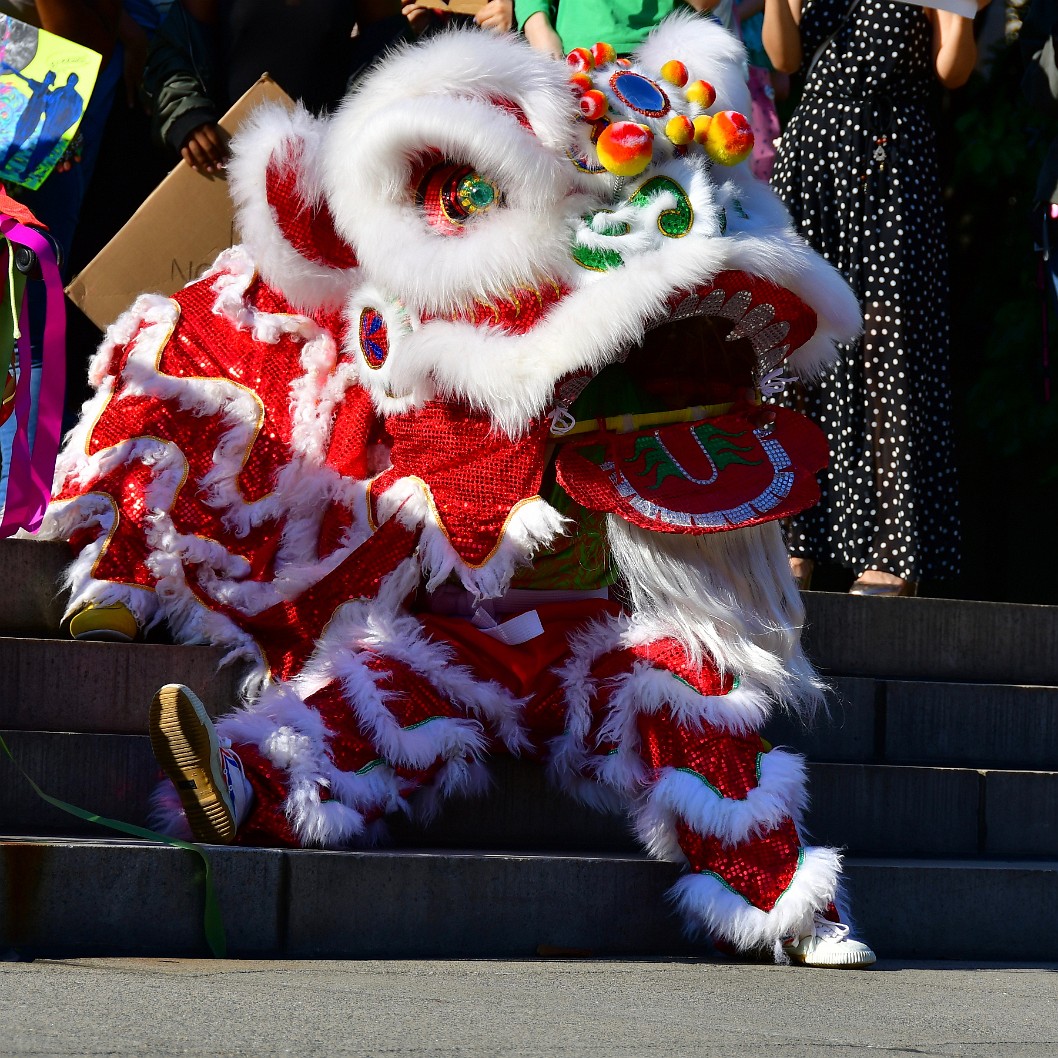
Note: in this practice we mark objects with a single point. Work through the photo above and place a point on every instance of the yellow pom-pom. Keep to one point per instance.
(702, 93)
(729, 139)
(680, 130)
(625, 148)
(675, 73)
(701, 128)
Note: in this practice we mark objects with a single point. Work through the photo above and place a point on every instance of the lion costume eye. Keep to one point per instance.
(449, 194)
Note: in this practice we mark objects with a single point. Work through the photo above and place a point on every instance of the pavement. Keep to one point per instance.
(558, 1008)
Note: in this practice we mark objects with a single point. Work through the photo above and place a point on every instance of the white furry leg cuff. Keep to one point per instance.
(710, 906)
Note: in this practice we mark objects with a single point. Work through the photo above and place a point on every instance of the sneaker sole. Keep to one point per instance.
(852, 961)
(185, 745)
(102, 635)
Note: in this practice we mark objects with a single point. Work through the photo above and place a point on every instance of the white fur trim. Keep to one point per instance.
(531, 525)
(780, 795)
(709, 907)
(728, 595)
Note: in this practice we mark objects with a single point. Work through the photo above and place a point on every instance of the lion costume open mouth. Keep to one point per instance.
(692, 449)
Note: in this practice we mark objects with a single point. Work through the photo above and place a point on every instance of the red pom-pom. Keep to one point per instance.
(593, 104)
(603, 53)
(580, 59)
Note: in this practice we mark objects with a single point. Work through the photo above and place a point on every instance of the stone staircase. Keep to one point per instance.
(932, 772)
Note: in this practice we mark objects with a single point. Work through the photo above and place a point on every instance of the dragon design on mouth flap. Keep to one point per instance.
(465, 449)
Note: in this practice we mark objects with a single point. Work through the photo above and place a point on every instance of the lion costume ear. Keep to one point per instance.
(281, 214)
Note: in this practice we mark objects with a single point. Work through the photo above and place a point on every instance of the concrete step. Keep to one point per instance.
(970, 725)
(30, 603)
(64, 685)
(870, 721)
(867, 809)
(81, 898)
(933, 639)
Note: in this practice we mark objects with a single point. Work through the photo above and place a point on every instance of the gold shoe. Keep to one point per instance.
(115, 623)
(186, 747)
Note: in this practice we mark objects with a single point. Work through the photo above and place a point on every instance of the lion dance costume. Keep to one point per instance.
(465, 450)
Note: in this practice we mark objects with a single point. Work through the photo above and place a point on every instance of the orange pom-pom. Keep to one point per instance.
(675, 73)
(701, 128)
(680, 130)
(625, 148)
(581, 82)
(593, 104)
(580, 59)
(702, 93)
(603, 53)
(729, 139)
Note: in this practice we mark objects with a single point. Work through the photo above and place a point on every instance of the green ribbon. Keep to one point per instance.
(212, 921)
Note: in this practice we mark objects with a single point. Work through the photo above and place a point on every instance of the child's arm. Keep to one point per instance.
(535, 17)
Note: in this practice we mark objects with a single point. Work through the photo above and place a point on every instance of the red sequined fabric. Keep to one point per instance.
(668, 654)
(759, 870)
(210, 354)
(517, 313)
(287, 632)
(266, 824)
(350, 747)
(207, 348)
(476, 476)
(727, 762)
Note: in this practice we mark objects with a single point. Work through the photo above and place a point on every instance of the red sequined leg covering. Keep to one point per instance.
(326, 769)
(759, 867)
(677, 742)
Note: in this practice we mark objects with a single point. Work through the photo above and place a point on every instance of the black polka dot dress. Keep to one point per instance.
(857, 169)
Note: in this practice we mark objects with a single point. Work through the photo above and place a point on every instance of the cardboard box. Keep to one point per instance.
(466, 7)
(173, 237)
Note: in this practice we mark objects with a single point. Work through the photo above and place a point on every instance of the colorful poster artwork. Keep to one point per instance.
(45, 85)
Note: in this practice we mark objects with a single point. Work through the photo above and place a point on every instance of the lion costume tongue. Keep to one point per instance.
(699, 477)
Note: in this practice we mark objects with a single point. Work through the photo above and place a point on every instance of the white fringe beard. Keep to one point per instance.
(729, 596)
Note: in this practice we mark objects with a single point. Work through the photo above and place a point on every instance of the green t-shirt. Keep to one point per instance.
(582, 23)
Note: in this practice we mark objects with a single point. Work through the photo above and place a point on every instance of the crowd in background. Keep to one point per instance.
(856, 164)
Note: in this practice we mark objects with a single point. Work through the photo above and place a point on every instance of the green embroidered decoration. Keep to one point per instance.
(594, 258)
(720, 446)
(673, 223)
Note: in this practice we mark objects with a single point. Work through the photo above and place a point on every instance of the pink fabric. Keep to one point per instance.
(30, 476)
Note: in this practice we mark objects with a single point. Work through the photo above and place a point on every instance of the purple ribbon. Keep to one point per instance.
(30, 475)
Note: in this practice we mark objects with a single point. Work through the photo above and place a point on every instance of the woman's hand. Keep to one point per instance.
(418, 16)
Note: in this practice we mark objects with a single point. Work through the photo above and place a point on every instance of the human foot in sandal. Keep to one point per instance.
(886, 585)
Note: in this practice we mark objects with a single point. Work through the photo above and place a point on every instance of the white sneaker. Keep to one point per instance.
(828, 944)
